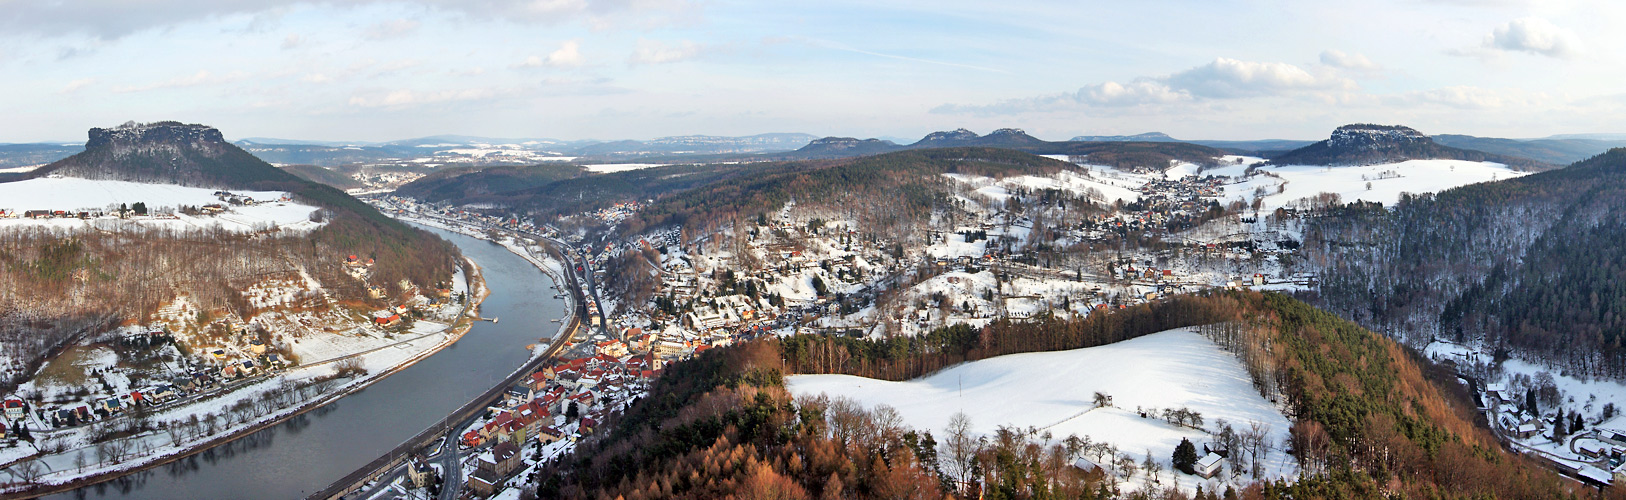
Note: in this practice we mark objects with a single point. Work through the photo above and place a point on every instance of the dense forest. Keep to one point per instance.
(485, 184)
(1371, 419)
(1531, 265)
(323, 175)
(887, 194)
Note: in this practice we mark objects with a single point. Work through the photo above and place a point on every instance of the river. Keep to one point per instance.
(308, 452)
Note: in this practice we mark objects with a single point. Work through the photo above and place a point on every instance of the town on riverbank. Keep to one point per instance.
(99, 416)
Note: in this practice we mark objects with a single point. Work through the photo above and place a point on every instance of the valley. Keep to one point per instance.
(695, 250)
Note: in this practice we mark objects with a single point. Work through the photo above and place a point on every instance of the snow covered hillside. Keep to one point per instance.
(1054, 392)
(1282, 186)
(100, 200)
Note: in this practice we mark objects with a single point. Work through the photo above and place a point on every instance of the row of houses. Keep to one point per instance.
(538, 408)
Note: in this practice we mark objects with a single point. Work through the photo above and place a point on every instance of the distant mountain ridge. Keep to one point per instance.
(1367, 144)
(1244, 146)
(1142, 137)
(1115, 153)
(1557, 150)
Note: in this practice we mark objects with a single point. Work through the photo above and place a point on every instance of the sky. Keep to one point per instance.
(637, 69)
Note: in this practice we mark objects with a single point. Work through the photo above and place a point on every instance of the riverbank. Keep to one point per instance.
(313, 386)
(447, 431)
(554, 269)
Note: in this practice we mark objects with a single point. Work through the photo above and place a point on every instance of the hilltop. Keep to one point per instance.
(1369, 144)
(167, 153)
(1530, 274)
(143, 261)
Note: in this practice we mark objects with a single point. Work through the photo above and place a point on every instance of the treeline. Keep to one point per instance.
(60, 285)
(1528, 265)
(1139, 154)
(902, 358)
(887, 194)
(1371, 420)
(722, 426)
(1370, 416)
(479, 184)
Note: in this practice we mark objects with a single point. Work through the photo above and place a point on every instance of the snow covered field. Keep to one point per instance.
(1102, 188)
(1388, 181)
(1053, 391)
(75, 195)
(605, 168)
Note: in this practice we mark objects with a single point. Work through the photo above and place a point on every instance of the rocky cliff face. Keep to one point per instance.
(137, 134)
(956, 135)
(1364, 137)
(168, 153)
(845, 146)
(1367, 144)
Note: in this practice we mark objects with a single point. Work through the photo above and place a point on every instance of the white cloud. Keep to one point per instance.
(292, 40)
(75, 85)
(1341, 60)
(1468, 97)
(1143, 91)
(113, 19)
(1221, 79)
(406, 97)
(202, 77)
(658, 52)
(1536, 36)
(568, 55)
(1231, 78)
(394, 28)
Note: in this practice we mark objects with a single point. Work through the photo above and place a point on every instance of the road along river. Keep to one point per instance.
(305, 454)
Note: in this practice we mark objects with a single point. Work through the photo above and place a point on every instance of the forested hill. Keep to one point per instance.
(168, 153)
(883, 192)
(198, 155)
(133, 274)
(1533, 265)
(1366, 144)
(1556, 151)
(1370, 420)
(485, 184)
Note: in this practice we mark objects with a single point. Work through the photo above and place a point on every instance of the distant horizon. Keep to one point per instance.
(371, 70)
(301, 141)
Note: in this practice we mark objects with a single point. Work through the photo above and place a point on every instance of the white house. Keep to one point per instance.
(1209, 465)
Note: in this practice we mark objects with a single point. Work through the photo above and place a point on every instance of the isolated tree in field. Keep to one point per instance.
(961, 447)
(1154, 468)
(1185, 457)
(1102, 399)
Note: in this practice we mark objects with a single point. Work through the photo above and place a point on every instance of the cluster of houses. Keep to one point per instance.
(357, 267)
(616, 213)
(214, 367)
(238, 200)
(569, 397)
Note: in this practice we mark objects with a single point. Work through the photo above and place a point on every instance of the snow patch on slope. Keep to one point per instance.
(1054, 390)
